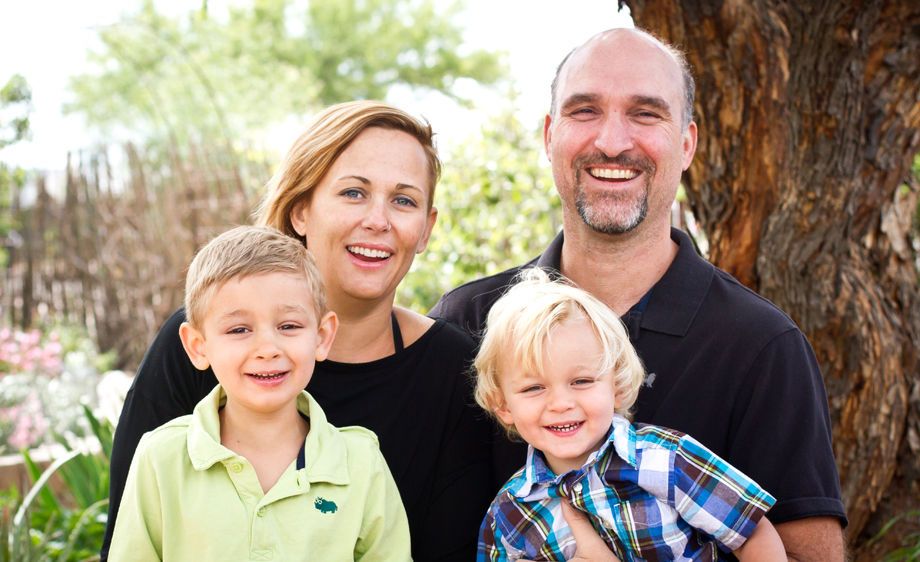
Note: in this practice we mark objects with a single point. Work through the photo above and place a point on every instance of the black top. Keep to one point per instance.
(418, 402)
(725, 366)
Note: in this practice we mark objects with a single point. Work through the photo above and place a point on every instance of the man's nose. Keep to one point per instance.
(615, 136)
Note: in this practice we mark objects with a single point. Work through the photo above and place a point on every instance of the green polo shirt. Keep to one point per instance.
(188, 497)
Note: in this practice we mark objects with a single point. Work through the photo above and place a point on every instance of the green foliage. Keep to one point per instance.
(909, 549)
(67, 525)
(205, 76)
(497, 208)
(11, 179)
(15, 107)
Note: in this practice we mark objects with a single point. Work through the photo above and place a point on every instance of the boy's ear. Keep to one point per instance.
(325, 334)
(193, 342)
(502, 412)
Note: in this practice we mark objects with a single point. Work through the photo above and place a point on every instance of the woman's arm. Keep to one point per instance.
(166, 386)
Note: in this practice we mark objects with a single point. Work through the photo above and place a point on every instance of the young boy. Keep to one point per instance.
(556, 368)
(256, 472)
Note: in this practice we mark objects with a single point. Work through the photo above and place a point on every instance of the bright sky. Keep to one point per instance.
(46, 41)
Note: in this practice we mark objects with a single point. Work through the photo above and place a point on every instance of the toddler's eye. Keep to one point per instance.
(531, 388)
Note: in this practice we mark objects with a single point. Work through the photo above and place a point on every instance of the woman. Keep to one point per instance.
(357, 188)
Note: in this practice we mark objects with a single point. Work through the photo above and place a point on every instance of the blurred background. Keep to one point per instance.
(133, 132)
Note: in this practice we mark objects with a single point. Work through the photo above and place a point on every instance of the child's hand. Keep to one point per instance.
(589, 546)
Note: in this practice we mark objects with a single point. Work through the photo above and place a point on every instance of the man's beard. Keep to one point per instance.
(620, 213)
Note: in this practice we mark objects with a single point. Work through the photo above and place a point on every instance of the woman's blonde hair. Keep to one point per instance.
(317, 148)
(518, 329)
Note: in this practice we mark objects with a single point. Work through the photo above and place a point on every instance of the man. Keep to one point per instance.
(724, 364)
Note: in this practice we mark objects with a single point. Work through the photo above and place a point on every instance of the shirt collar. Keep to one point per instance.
(675, 298)
(537, 473)
(324, 448)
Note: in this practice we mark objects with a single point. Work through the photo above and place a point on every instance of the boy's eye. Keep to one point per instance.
(238, 330)
(531, 388)
(583, 381)
(289, 326)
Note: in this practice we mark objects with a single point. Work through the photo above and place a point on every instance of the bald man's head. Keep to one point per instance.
(680, 61)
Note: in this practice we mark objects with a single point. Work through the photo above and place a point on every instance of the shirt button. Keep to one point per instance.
(577, 487)
(260, 512)
(236, 467)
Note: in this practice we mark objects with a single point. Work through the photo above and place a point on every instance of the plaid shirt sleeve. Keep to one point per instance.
(490, 542)
(715, 497)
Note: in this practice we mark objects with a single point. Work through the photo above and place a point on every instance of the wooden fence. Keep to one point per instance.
(110, 252)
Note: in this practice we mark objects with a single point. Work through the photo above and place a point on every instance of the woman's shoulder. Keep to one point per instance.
(416, 327)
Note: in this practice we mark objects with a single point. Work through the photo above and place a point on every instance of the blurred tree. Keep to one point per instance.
(497, 208)
(15, 108)
(207, 76)
(810, 119)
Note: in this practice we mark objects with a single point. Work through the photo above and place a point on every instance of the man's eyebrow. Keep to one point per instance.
(576, 99)
(654, 102)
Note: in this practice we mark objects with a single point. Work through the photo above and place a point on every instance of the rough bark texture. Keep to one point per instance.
(809, 120)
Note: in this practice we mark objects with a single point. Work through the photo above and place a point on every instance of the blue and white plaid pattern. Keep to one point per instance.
(652, 493)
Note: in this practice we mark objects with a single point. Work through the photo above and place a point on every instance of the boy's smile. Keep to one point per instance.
(261, 338)
(566, 411)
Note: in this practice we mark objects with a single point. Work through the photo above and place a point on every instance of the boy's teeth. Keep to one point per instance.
(266, 375)
(614, 174)
(566, 427)
(368, 252)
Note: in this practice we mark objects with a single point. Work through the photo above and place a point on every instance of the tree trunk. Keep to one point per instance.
(809, 121)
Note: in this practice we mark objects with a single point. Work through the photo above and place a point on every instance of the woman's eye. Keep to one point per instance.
(404, 201)
(352, 193)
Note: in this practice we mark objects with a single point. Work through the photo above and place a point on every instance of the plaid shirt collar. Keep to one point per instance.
(537, 473)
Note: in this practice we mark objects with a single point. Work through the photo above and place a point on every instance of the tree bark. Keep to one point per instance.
(809, 121)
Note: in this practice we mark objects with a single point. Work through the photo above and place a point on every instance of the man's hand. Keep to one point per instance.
(589, 546)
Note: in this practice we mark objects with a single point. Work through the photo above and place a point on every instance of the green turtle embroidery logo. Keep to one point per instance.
(325, 506)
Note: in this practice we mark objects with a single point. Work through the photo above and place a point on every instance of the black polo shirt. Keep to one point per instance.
(724, 365)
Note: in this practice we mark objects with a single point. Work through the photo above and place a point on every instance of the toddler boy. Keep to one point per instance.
(556, 368)
(256, 472)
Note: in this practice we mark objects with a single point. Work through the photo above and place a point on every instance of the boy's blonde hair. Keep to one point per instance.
(518, 328)
(241, 252)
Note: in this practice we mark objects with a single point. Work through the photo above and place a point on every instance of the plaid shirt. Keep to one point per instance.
(652, 493)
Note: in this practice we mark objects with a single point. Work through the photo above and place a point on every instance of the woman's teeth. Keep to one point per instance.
(368, 252)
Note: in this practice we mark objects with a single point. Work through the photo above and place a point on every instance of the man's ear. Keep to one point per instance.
(547, 135)
(325, 334)
(193, 342)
